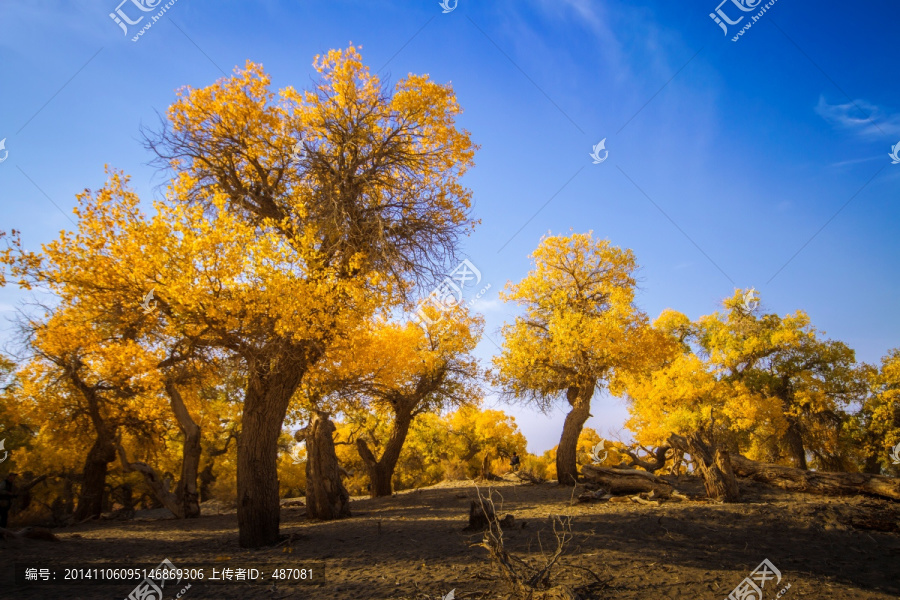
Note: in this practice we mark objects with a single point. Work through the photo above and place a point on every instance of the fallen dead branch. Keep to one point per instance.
(27, 533)
(626, 481)
(529, 477)
(817, 482)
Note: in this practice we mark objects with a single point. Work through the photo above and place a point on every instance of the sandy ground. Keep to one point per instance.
(413, 546)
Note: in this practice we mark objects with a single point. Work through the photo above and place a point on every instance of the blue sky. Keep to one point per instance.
(725, 158)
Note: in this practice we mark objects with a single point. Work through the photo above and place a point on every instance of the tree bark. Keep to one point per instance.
(659, 459)
(626, 481)
(381, 471)
(102, 452)
(714, 465)
(68, 495)
(157, 484)
(579, 398)
(326, 496)
(93, 478)
(793, 438)
(818, 482)
(207, 478)
(187, 493)
(268, 394)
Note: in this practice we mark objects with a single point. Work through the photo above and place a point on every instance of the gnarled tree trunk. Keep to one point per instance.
(326, 496)
(268, 394)
(187, 493)
(158, 485)
(381, 471)
(566, 460)
(714, 465)
(793, 439)
(93, 478)
(184, 501)
(102, 452)
(207, 477)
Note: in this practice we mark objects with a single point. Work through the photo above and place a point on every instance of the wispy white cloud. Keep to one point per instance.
(860, 117)
(855, 161)
(586, 11)
(484, 305)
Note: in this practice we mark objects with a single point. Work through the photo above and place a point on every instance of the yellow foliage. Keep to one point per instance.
(580, 323)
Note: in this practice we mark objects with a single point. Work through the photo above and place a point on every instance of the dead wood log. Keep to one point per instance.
(626, 481)
(594, 496)
(817, 482)
(659, 459)
(480, 516)
(28, 533)
(528, 476)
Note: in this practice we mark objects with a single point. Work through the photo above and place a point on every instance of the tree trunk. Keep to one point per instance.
(158, 485)
(566, 459)
(93, 478)
(265, 406)
(326, 496)
(207, 478)
(68, 495)
(103, 451)
(793, 438)
(818, 482)
(187, 493)
(714, 465)
(381, 471)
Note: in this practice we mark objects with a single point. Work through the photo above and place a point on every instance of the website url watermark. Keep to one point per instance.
(123, 19)
(723, 20)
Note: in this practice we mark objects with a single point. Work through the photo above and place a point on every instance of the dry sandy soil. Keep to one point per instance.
(413, 546)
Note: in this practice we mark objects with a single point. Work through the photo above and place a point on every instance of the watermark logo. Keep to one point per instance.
(449, 293)
(297, 151)
(6, 152)
(895, 454)
(297, 454)
(448, 8)
(595, 454)
(750, 301)
(895, 153)
(751, 587)
(5, 451)
(601, 146)
(151, 588)
(723, 20)
(148, 308)
(123, 20)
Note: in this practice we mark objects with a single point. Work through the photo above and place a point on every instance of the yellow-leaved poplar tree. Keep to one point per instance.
(580, 328)
(322, 206)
